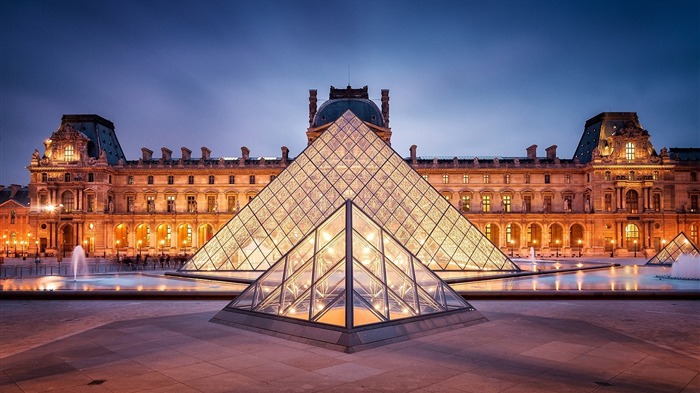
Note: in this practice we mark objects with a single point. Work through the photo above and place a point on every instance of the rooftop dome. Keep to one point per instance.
(363, 108)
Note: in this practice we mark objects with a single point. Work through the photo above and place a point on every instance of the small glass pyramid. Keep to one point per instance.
(348, 161)
(673, 250)
(349, 272)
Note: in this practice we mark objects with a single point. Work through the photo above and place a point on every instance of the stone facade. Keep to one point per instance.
(616, 195)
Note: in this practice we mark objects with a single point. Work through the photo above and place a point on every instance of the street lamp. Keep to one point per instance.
(579, 248)
(512, 246)
(15, 248)
(36, 245)
(184, 247)
(139, 245)
(162, 248)
(635, 248)
(557, 249)
(663, 243)
(118, 241)
(612, 248)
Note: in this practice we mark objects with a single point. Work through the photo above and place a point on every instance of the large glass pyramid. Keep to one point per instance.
(348, 161)
(673, 250)
(352, 277)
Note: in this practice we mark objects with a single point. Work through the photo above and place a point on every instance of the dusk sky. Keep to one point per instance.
(465, 77)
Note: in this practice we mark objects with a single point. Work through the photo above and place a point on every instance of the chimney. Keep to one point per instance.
(186, 153)
(385, 107)
(245, 153)
(146, 154)
(551, 152)
(532, 152)
(285, 155)
(206, 153)
(312, 105)
(413, 154)
(167, 153)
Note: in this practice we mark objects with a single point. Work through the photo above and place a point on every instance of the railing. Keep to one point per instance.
(66, 269)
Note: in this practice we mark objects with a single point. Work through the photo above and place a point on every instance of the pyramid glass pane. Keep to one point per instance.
(349, 161)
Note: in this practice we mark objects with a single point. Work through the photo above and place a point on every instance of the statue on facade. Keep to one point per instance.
(36, 155)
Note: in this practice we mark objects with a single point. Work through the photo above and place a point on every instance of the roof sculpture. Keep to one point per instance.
(670, 253)
(351, 286)
(348, 161)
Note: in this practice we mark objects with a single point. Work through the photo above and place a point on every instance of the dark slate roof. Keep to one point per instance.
(101, 133)
(21, 195)
(600, 127)
(685, 153)
(363, 108)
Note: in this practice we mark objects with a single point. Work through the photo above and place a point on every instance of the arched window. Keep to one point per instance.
(68, 153)
(629, 151)
(121, 238)
(632, 235)
(632, 201)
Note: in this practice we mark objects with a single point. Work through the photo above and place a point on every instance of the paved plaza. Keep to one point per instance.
(526, 346)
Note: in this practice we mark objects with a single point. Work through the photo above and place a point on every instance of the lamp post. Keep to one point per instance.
(36, 245)
(184, 247)
(579, 248)
(118, 241)
(512, 247)
(139, 245)
(162, 248)
(15, 248)
(612, 248)
(635, 248)
(85, 247)
(557, 248)
(663, 243)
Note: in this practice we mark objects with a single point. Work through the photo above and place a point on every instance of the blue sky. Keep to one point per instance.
(465, 77)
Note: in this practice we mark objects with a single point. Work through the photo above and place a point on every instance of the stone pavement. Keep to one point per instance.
(527, 346)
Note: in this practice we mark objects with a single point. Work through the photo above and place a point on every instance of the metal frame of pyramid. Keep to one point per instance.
(348, 285)
(670, 253)
(348, 161)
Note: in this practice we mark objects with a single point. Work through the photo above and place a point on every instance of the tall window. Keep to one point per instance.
(655, 176)
(632, 201)
(509, 233)
(607, 176)
(466, 203)
(130, 204)
(66, 177)
(12, 216)
(211, 204)
(567, 178)
(486, 178)
(90, 203)
(151, 204)
(693, 203)
(150, 179)
(506, 203)
(632, 176)
(527, 203)
(191, 204)
(67, 201)
(211, 179)
(547, 178)
(91, 177)
(632, 234)
(486, 203)
(487, 231)
(465, 179)
(527, 178)
(170, 207)
(608, 202)
(171, 179)
(694, 233)
(568, 201)
(68, 153)
(252, 179)
(547, 204)
(445, 178)
(44, 177)
(190, 179)
(232, 179)
(693, 176)
(506, 179)
(656, 202)
(629, 151)
(231, 208)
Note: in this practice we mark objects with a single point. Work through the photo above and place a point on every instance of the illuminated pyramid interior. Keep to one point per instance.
(348, 161)
(673, 250)
(348, 285)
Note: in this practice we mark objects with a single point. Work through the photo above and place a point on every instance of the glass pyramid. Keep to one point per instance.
(673, 250)
(349, 272)
(349, 161)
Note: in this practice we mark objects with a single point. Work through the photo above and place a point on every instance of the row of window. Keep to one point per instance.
(507, 203)
(190, 179)
(486, 178)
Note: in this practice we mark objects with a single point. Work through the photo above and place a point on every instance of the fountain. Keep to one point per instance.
(78, 260)
(532, 254)
(686, 267)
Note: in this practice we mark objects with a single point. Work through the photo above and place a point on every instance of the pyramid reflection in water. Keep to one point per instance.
(349, 161)
(348, 285)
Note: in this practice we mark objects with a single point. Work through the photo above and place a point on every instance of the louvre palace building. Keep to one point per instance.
(618, 195)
